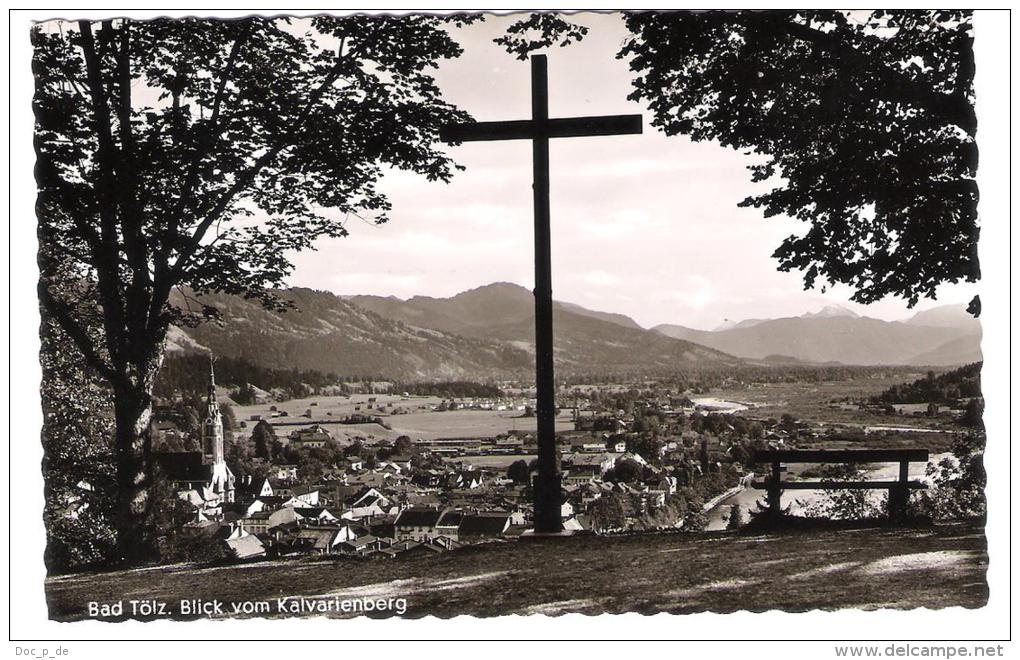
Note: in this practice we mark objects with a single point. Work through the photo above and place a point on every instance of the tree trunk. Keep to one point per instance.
(133, 413)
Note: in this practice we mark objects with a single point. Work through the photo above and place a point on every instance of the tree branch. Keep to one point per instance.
(107, 269)
(954, 108)
(247, 177)
(61, 311)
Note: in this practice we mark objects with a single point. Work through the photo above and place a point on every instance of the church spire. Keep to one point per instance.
(212, 429)
(212, 379)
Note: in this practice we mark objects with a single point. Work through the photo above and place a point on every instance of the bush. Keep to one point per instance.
(736, 518)
(958, 484)
(695, 519)
(845, 504)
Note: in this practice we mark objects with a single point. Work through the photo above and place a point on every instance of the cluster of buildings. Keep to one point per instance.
(432, 501)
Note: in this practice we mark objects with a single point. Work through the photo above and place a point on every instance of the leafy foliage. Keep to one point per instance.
(736, 518)
(608, 513)
(78, 470)
(866, 123)
(450, 389)
(958, 483)
(197, 155)
(189, 372)
(844, 504)
(943, 388)
(519, 472)
(539, 31)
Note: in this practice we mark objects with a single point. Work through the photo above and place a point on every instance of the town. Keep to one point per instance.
(334, 475)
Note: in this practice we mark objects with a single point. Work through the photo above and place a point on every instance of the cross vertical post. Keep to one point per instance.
(539, 129)
(547, 487)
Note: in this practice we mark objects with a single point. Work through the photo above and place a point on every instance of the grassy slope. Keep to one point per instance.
(867, 568)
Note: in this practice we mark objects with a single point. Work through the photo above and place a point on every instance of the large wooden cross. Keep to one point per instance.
(547, 491)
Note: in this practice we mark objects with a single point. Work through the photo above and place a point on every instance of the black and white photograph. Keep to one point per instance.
(383, 316)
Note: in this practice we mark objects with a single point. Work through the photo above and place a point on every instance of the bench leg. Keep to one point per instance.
(774, 493)
(899, 494)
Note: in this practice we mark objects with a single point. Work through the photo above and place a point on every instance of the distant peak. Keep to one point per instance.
(501, 285)
(831, 311)
(495, 288)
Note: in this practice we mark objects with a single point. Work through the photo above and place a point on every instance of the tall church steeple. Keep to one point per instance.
(222, 479)
(212, 428)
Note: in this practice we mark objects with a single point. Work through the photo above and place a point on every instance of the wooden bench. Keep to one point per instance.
(899, 490)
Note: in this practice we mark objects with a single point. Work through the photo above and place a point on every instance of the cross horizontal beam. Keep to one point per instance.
(527, 129)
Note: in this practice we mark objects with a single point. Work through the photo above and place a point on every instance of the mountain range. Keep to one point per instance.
(482, 333)
(488, 332)
(942, 336)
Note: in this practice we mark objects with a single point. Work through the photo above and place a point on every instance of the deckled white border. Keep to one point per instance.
(28, 607)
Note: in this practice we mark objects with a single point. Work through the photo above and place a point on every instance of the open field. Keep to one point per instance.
(416, 418)
(498, 461)
(810, 400)
(469, 423)
(868, 568)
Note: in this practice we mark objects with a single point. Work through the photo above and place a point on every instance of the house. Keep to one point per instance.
(572, 524)
(376, 479)
(362, 545)
(518, 518)
(322, 539)
(510, 442)
(246, 547)
(351, 464)
(478, 527)
(637, 458)
(389, 467)
(248, 488)
(313, 437)
(282, 488)
(307, 494)
(448, 525)
(431, 478)
(415, 549)
(591, 463)
(269, 503)
(582, 474)
(315, 515)
(256, 523)
(284, 517)
(370, 502)
(382, 552)
(283, 473)
(417, 524)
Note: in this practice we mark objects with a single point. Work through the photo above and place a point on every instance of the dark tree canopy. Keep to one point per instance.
(198, 155)
(539, 31)
(157, 139)
(865, 121)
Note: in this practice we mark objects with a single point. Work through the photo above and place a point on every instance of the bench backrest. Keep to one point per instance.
(840, 455)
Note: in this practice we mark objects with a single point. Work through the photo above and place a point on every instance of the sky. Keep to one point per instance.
(643, 225)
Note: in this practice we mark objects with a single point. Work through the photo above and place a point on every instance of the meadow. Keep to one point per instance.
(411, 416)
(867, 568)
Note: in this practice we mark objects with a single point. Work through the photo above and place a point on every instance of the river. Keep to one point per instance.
(711, 404)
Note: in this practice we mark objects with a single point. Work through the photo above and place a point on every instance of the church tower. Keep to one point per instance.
(222, 479)
(212, 427)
